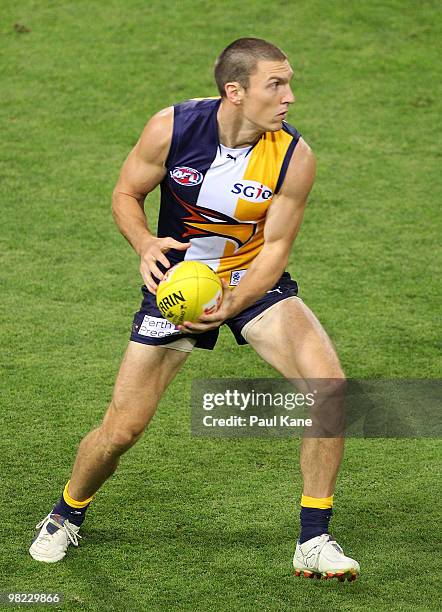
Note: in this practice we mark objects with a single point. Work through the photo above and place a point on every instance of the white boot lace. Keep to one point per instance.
(323, 541)
(71, 534)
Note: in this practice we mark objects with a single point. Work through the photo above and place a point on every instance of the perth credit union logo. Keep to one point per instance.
(186, 176)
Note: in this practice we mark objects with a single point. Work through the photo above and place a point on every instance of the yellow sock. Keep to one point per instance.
(322, 503)
(73, 502)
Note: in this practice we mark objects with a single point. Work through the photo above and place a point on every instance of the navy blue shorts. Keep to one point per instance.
(150, 327)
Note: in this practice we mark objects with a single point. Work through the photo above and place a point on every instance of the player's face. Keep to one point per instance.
(269, 94)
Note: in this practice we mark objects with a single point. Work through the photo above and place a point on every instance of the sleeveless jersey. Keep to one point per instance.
(216, 197)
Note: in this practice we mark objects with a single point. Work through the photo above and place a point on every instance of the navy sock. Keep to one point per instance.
(314, 522)
(74, 515)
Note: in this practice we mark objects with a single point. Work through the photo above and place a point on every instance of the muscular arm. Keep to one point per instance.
(142, 171)
(282, 224)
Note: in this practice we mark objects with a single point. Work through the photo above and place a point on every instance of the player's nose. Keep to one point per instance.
(289, 97)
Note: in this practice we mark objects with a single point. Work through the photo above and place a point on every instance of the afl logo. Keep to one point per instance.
(186, 176)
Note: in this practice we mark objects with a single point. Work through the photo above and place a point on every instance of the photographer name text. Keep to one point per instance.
(254, 421)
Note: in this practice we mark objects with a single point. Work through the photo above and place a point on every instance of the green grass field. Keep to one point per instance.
(196, 524)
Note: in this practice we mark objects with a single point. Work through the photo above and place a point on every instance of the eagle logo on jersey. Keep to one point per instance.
(206, 222)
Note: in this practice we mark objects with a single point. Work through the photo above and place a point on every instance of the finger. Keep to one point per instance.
(155, 271)
(150, 263)
(202, 326)
(163, 260)
(194, 328)
(225, 287)
(171, 243)
(185, 330)
(147, 278)
(212, 318)
(157, 255)
(151, 287)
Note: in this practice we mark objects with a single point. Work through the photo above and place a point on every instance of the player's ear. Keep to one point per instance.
(234, 92)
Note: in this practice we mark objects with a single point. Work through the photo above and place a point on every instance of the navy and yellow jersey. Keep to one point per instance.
(216, 197)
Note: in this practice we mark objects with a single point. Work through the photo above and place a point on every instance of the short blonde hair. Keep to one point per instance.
(240, 59)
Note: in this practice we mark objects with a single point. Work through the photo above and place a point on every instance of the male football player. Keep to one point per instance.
(234, 180)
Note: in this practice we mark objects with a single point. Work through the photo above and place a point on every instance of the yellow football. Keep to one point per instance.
(187, 291)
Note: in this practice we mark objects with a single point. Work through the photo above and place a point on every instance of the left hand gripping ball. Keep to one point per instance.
(187, 291)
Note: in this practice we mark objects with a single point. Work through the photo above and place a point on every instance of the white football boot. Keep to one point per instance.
(323, 557)
(52, 541)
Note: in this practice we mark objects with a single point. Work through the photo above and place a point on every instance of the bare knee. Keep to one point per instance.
(334, 387)
(327, 412)
(328, 392)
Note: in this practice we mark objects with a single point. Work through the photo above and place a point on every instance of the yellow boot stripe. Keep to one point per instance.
(73, 502)
(322, 503)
